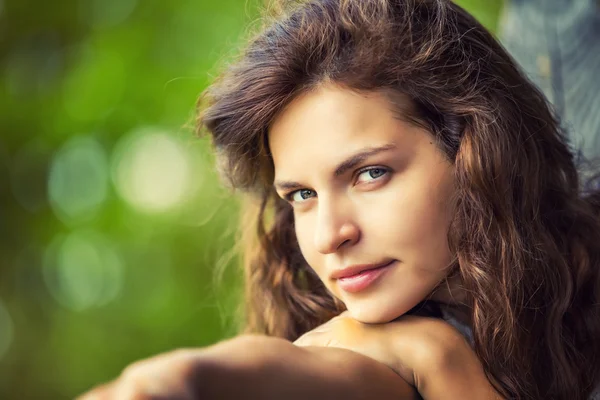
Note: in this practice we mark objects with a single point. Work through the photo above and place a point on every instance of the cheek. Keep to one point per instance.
(415, 226)
(305, 237)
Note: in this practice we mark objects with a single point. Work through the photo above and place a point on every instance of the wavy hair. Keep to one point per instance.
(525, 233)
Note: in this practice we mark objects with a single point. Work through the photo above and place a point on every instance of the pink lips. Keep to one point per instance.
(361, 280)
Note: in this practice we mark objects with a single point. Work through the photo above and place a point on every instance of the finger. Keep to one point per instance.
(301, 341)
(305, 340)
(101, 392)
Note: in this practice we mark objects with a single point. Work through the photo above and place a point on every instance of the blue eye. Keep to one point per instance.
(372, 174)
(300, 195)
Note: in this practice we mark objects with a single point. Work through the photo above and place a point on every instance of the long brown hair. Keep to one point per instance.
(526, 233)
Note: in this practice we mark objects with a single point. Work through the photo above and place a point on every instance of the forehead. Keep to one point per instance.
(331, 122)
(329, 106)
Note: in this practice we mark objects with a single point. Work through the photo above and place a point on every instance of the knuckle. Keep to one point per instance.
(133, 390)
(132, 370)
(181, 353)
(98, 393)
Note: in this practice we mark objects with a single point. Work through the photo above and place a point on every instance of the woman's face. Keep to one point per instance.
(368, 190)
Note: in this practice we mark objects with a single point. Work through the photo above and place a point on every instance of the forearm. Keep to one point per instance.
(269, 368)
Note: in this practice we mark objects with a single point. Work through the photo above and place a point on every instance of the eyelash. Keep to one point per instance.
(289, 196)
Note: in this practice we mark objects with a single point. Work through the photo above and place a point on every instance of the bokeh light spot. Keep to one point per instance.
(152, 170)
(78, 181)
(83, 270)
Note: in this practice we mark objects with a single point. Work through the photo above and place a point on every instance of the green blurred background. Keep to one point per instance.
(112, 221)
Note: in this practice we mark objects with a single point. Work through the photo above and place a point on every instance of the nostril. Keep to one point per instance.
(344, 242)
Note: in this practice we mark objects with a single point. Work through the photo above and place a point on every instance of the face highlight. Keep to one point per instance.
(367, 189)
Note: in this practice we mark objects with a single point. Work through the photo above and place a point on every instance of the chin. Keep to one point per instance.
(380, 309)
(374, 314)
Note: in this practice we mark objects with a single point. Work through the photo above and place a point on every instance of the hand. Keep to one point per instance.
(372, 340)
(170, 375)
(409, 345)
(428, 353)
(188, 374)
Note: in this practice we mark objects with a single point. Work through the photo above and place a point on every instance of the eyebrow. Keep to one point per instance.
(342, 167)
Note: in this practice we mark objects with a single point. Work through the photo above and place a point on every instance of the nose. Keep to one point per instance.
(334, 229)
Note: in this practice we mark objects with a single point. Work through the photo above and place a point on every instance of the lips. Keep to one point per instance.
(357, 269)
(354, 281)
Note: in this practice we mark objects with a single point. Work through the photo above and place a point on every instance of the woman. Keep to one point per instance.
(402, 167)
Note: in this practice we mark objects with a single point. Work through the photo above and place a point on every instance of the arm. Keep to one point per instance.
(270, 368)
(256, 367)
(428, 353)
